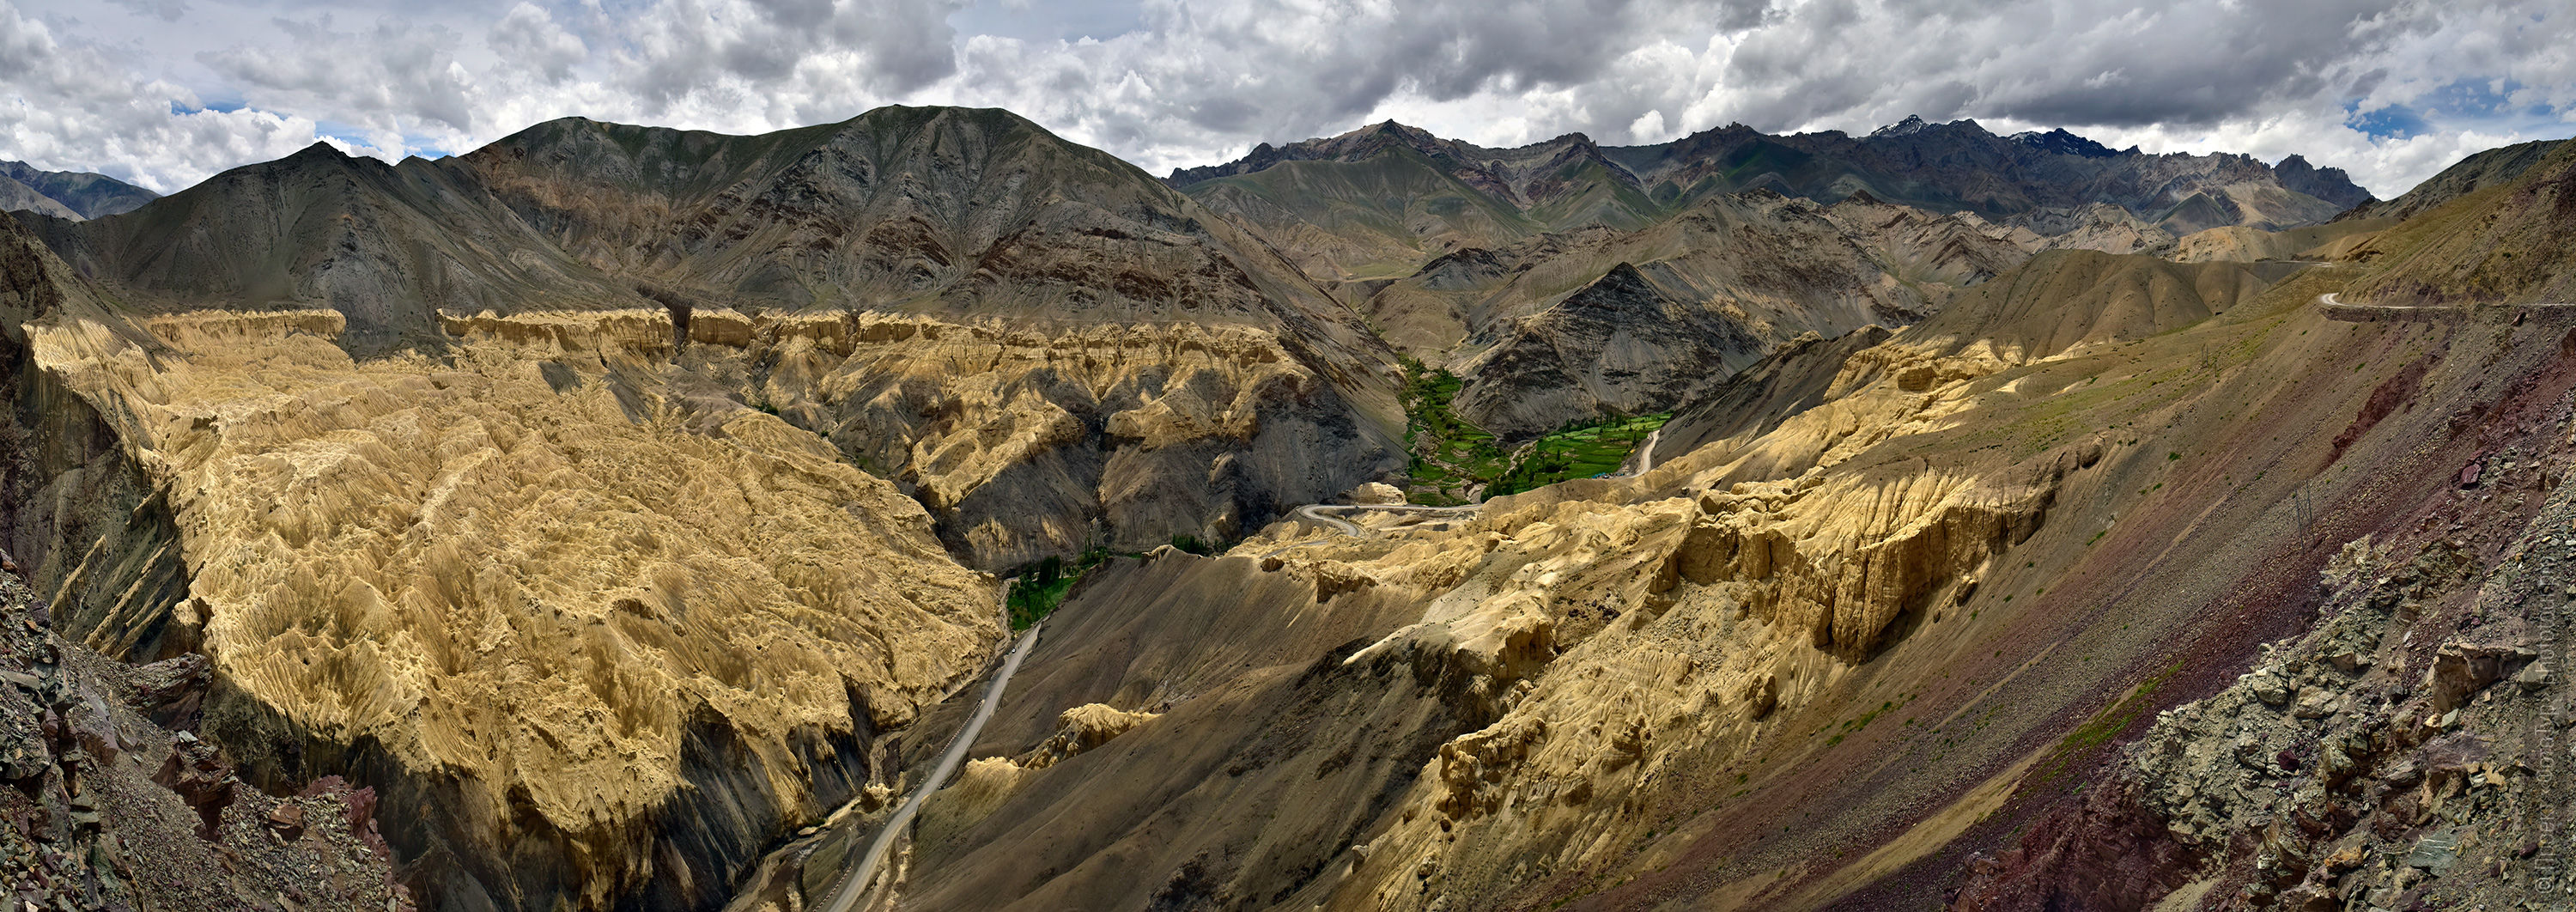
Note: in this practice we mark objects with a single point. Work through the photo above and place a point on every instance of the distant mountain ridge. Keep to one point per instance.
(67, 194)
(946, 210)
(2033, 179)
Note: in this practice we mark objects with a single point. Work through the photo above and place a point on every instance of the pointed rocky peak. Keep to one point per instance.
(2329, 184)
(1391, 127)
(320, 150)
(1356, 145)
(1861, 198)
(1576, 139)
(1622, 290)
(1912, 124)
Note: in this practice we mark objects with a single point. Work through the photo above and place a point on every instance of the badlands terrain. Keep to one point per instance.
(619, 517)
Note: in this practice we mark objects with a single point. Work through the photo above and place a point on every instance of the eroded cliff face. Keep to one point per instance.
(1817, 657)
(598, 635)
(1021, 440)
(1027, 440)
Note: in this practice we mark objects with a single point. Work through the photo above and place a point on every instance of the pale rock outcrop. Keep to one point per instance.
(1842, 559)
(1032, 440)
(567, 629)
(1375, 493)
(1082, 728)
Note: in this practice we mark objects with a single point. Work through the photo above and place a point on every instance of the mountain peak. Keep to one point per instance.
(1912, 124)
(2061, 142)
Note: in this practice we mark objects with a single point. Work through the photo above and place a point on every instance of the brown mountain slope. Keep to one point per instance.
(2510, 243)
(1715, 288)
(2468, 175)
(2027, 317)
(1108, 324)
(2417, 718)
(1812, 664)
(67, 194)
(561, 616)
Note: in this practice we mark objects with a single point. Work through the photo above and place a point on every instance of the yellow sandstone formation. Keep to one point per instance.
(528, 570)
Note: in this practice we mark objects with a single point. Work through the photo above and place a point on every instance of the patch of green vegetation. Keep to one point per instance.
(2106, 725)
(1042, 588)
(1454, 460)
(1580, 450)
(1450, 456)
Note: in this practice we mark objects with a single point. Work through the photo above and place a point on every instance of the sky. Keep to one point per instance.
(164, 93)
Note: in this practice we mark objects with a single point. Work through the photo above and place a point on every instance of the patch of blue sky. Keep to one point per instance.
(2482, 104)
(225, 106)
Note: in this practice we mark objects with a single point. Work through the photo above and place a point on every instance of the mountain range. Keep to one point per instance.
(1382, 199)
(67, 194)
(620, 517)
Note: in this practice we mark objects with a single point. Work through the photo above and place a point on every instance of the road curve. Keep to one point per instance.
(1645, 455)
(1315, 513)
(855, 884)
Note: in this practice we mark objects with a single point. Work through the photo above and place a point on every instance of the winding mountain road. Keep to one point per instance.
(855, 884)
(1315, 513)
(2336, 309)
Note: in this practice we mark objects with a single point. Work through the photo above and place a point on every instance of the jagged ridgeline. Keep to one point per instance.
(1379, 201)
(1571, 282)
(1046, 345)
(599, 495)
(616, 502)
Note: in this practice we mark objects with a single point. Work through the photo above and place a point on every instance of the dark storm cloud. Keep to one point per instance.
(674, 48)
(2194, 62)
(2379, 86)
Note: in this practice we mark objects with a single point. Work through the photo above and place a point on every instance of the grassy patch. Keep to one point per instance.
(2105, 725)
(1042, 588)
(1451, 458)
(1454, 461)
(1580, 450)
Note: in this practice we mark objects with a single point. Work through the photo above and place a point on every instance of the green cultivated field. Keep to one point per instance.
(1454, 460)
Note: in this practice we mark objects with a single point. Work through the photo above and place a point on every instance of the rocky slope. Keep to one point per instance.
(1573, 326)
(2406, 749)
(1830, 653)
(1377, 201)
(115, 804)
(67, 194)
(595, 632)
(1140, 368)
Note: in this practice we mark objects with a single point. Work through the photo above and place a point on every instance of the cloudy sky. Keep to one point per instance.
(166, 92)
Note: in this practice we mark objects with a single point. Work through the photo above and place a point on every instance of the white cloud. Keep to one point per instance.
(1184, 82)
(64, 105)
